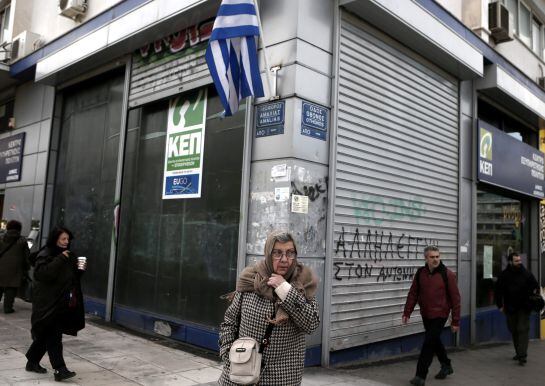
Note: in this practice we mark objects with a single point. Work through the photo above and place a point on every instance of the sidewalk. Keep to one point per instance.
(102, 355)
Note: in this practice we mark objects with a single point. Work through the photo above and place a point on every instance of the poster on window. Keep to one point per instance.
(488, 254)
(184, 148)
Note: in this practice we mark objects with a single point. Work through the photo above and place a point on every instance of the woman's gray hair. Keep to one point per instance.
(281, 237)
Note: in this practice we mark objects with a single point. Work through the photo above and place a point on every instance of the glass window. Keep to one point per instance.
(525, 25)
(86, 173)
(176, 257)
(500, 227)
(512, 6)
(536, 36)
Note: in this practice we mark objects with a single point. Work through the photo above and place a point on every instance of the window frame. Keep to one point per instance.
(5, 12)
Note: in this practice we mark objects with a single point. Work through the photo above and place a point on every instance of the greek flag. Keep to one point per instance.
(232, 53)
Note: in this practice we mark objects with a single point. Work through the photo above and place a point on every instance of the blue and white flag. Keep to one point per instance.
(232, 53)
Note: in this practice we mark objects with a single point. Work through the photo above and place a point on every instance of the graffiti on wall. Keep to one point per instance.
(374, 210)
(371, 253)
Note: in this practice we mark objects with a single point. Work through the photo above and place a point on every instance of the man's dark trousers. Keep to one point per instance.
(432, 345)
(9, 297)
(518, 323)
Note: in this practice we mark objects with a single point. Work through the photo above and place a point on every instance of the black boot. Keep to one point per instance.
(63, 373)
(35, 367)
(446, 369)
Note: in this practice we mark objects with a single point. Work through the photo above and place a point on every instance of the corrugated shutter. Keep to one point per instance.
(396, 182)
(161, 78)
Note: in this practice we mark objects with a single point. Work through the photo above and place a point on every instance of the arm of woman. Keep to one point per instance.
(302, 311)
(229, 326)
(48, 268)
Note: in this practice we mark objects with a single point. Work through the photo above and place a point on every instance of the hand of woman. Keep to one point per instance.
(275, 280)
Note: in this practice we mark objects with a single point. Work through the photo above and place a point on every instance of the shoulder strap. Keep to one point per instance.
(444, 274)
(417, 278)
(267, 337)
(8, 247)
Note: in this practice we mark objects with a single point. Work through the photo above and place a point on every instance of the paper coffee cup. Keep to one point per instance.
(82, 262)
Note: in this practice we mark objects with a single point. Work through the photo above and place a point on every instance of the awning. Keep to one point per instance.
(121, 36)
(510, 92)
(421, 31)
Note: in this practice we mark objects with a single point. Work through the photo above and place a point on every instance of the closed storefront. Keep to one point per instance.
(396, 182)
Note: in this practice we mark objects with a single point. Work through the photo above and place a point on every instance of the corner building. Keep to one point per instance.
(395, 127)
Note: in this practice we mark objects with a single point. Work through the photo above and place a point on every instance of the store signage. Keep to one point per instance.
(177, 42)
(509, 163)
(270, 119)
(314, 120)
(11, 158)
(185, 146)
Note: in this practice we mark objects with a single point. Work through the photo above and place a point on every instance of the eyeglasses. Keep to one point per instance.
(277, 254)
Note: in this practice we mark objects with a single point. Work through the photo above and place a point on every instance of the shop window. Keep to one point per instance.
(177, 256)
(500, 227)
(85, 179)
(6, 116)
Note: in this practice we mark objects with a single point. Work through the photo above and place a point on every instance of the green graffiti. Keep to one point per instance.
(374, 210)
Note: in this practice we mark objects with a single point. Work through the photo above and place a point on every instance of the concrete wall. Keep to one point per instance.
(42, 17)
(23, 200)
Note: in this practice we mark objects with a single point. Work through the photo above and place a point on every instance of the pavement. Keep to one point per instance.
(104, 354)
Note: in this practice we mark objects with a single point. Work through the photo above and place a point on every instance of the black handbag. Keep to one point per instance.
(536, 302)
(26, 288)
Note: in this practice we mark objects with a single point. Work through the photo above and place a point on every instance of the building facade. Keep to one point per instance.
(392, 127)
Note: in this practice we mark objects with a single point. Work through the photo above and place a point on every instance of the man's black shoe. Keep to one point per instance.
(516, 358)
(9, 311)
(35, 367)
(522, 361)
(445, 370)
(417, 381)
(63, 373)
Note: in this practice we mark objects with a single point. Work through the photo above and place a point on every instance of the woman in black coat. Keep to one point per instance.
(57, 306)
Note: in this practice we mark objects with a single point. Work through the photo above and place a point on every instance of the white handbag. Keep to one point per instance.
(245, 361)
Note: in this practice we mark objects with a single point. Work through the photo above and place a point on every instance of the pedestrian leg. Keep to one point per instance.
(511, 319)
(9, 299)
(523, 330)
(37, 349)
(54, 349)
(431, 338)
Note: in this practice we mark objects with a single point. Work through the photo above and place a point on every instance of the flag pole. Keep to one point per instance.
(265, 56)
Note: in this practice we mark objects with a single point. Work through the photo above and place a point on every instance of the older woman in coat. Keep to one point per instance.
(13, 263)
(277, 290)
(57, 306)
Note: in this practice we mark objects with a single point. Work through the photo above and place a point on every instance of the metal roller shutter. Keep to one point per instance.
(396, 182)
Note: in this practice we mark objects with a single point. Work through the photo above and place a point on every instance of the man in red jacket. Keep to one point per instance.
(435, 290)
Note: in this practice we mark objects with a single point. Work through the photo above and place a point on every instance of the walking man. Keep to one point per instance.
(435, 290)
(513, 289)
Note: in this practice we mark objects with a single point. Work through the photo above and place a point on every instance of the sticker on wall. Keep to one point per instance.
(184, 152)
(314, 120)
(299, 204)
(270, 119)
(281, 194)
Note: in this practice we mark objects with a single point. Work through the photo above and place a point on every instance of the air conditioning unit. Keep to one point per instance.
(499, 22)
(72, 8)
(23, 44)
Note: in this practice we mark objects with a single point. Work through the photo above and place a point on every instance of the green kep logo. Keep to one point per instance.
(485, 144)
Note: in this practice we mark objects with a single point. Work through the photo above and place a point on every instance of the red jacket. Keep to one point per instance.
(432, 299)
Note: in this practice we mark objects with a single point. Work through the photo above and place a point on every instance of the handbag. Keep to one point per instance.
(245, 356)
(536, 302)
(26, 288)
